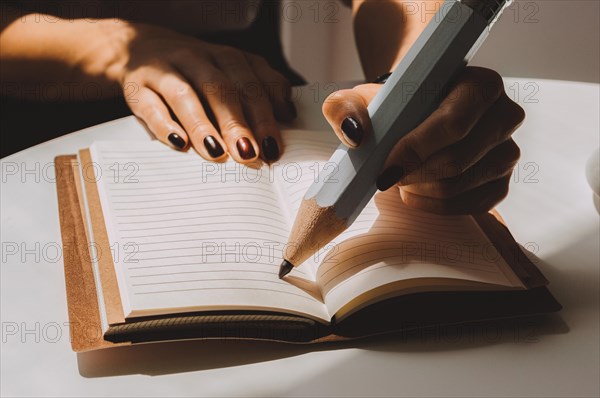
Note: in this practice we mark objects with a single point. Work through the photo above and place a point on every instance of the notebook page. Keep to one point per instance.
(306, 158)
(391, 242)
(191, 235)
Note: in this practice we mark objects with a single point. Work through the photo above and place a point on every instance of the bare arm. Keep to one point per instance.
(160, 72)
(61, 54)
(384, 30)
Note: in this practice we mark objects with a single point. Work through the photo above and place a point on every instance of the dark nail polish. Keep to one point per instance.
(382, 78)
(245, 148)
(213, 147)
(270, 149)
(352, 131)
(389, 177)
(176, 140)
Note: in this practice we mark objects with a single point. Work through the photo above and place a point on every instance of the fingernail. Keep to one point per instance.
(389, 177)
(245, 148)
(213, 147)
(270, 149)
(176, 140)
(353, 132)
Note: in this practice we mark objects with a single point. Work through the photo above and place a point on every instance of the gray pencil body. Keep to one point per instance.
(411, 93)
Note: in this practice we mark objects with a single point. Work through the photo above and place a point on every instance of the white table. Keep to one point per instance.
(550, 206)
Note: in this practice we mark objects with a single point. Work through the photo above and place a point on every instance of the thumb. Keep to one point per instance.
(346, 112)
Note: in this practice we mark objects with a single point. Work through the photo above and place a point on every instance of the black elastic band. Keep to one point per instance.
(382, 79)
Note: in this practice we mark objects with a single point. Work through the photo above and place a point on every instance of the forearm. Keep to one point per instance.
(61, 58)
(385, 30)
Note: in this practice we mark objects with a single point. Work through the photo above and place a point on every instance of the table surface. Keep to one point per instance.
(549, 210)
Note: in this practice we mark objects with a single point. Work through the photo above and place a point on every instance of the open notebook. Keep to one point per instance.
(187, 237)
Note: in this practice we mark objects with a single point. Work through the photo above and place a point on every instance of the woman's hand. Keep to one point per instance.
(459, 160)
(176, 84)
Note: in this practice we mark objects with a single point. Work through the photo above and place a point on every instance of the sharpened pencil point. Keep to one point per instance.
(285, 268)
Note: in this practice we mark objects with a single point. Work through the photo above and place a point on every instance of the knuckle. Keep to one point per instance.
(336, 97)
(454, 125)
(514, 152)
(201, 128)
(180, 90)
(488, 76)
(348, 101)
(258, 61)
(235, 127)
(407, 155)
(488, 82)
(333, 102)
(145, 112)
(231, 57)
(493, 78)
(509, 152)
(183, 53)
(517, 114)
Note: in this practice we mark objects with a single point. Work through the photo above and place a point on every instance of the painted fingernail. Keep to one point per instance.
(389, 177)
(270, 149)
(353, 132)
(245, 148)
(213, 147)
(176, 140)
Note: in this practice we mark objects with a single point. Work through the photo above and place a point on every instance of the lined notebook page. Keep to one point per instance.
(306, 159)
(190, 235)
(388, 242)
(307, 154)
(391, 242)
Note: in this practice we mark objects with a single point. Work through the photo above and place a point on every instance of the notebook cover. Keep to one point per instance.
(415, 311)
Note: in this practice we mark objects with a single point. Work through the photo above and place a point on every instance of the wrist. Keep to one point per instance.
(106, 52)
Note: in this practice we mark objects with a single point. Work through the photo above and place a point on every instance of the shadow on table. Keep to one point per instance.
(189, 356)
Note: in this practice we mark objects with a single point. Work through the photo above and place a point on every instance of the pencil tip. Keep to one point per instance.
(285, 268)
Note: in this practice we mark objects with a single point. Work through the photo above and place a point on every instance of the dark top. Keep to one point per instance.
(27, 123)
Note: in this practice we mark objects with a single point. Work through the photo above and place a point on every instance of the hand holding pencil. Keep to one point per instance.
(459, 160)
(431, 113)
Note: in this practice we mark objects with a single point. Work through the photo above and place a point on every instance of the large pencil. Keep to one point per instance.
(411, 93)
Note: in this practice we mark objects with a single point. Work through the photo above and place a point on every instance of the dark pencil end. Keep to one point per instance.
(285, 268)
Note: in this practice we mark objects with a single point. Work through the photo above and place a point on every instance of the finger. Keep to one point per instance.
(256, 104)
(277, 87)
(496, 164)
(477, 200)
(185, 104)
(347, 114)
(224, 102)
(476, 90)
(150, 108)
(495, 127)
